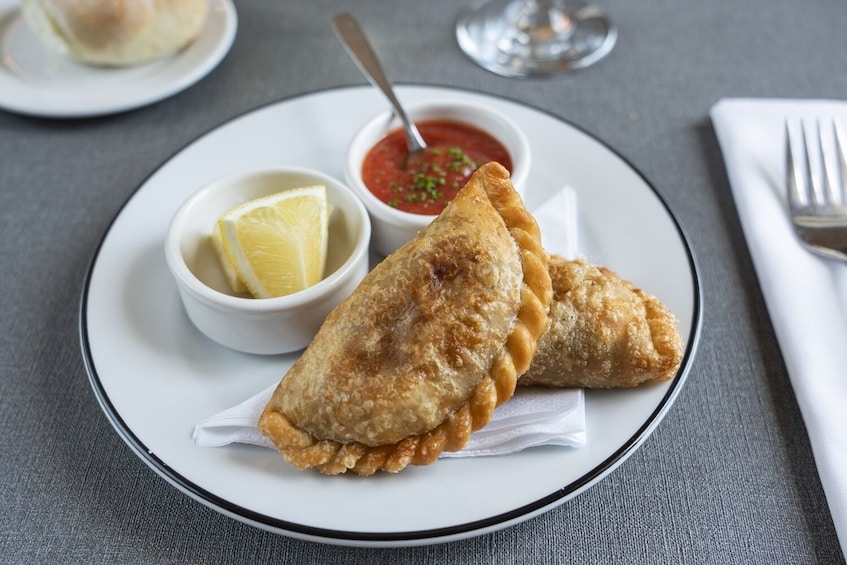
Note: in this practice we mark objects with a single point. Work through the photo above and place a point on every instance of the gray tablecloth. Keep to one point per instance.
(728, 477)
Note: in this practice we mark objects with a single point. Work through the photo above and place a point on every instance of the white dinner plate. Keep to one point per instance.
(156, 376)
(37, 81)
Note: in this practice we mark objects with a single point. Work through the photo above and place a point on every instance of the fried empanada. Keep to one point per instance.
(603, 333)
(431, 341)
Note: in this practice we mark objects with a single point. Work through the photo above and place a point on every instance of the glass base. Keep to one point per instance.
(535, 37)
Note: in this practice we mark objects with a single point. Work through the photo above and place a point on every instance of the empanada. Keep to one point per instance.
(426, 347)
(603, 333)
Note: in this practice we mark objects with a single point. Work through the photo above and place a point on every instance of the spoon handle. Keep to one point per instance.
(358, 47)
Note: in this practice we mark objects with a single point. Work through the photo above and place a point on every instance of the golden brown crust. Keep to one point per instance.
(604, 332)
(426, 347)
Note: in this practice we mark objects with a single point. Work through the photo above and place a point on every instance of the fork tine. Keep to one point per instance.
(830, 191)
(816, 184)
(795, 197)
(841, 157)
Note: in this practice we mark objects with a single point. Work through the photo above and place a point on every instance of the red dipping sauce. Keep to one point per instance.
(427, 182)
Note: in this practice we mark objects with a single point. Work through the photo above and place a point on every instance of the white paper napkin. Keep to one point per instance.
(806, 295)
(531, 418)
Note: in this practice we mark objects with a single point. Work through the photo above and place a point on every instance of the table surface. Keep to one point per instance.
(728, 476)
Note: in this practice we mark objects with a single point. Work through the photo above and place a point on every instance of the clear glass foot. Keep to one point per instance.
(535, 37)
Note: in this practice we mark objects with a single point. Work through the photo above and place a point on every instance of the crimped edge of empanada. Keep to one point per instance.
(497, 386)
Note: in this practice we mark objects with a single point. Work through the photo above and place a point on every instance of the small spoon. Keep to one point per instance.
(353, 38)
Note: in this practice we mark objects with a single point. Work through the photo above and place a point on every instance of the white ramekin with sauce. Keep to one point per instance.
(395, 211)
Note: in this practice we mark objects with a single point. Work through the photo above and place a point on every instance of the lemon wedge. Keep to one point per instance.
(276, 245)
(229, 271)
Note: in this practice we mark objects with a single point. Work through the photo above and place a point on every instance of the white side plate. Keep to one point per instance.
(35, 80)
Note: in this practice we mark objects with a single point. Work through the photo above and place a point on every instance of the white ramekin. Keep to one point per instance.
(268, 325)
(392, 227)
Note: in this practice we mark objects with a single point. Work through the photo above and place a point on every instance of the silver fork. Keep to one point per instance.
(816, 167)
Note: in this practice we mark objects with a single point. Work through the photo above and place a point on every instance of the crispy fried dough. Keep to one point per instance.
(426, 347)
(604, 332)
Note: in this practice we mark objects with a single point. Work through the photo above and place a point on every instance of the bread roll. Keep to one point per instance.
(116, 32)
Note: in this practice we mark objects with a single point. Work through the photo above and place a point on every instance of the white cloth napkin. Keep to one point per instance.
(806, 295)
(531, 418)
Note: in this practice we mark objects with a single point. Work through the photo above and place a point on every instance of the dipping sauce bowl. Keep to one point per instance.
(393, 227)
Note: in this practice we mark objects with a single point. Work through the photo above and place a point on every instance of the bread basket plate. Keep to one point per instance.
(37, 81)
(155, 376)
